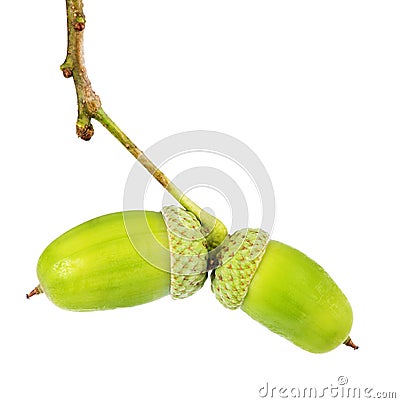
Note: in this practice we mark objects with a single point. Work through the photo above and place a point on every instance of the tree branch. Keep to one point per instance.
(74, 66)
(89, 107)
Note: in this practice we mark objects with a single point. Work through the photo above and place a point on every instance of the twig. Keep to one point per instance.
(89, 107)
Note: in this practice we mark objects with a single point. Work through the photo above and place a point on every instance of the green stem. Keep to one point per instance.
(214, 229)
(89, 107)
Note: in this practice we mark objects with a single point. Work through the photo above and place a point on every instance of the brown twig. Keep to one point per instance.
(89, 107)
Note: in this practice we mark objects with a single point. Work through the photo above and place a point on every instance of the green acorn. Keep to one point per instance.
(284, 290)
(124, 259)
(127, 259)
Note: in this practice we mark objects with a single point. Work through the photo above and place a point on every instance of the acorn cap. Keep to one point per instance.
(188, 252)
(238, 260)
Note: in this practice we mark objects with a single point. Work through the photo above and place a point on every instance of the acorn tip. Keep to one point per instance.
(350, 343)
(36, 291)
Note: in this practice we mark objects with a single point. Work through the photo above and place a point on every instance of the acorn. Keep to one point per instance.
(124, 259)
(134, 257)
(284, 290)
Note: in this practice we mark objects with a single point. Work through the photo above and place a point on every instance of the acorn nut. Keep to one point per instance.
(130, 258)
(284, 290)
(124, 259)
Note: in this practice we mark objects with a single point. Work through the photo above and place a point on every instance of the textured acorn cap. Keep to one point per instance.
(238, 260)
(188, 252)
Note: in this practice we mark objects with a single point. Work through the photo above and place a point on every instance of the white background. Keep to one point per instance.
(312, 86)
